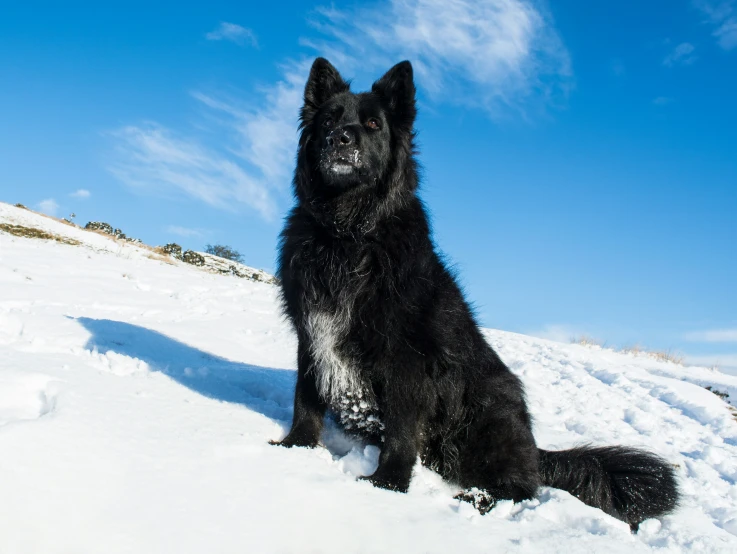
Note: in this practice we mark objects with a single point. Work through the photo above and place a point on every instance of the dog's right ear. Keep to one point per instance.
(323, 83)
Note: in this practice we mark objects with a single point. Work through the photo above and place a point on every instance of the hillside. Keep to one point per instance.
(138, 393)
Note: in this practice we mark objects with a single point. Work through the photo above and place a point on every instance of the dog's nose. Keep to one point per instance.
(341, 137)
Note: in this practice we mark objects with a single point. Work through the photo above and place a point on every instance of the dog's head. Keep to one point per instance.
(353, 140)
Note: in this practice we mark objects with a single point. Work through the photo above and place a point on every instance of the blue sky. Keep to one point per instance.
(580, 158)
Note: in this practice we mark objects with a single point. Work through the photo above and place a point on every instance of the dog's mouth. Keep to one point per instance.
(342, 168)
(341, 162)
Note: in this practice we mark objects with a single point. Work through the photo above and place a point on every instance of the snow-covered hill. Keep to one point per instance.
(137, 396)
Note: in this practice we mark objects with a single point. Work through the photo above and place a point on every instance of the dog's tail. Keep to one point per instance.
(627, 483)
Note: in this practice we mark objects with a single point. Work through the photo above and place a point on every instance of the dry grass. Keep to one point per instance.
(33, 233)
(155, 252)
(667, 356)
(101, 233)
(47, 216)
(585, 340)
(158, 256)
(635, 350)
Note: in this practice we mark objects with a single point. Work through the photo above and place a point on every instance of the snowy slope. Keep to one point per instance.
(137, 398)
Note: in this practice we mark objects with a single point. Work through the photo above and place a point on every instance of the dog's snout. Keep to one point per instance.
(341, 137)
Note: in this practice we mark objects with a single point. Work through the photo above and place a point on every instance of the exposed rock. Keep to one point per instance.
(194, 258)
(721, 394)
(19, 205)
(208, 262)
(108, 230)
(173, 249)
(99, 226)
(224, 266)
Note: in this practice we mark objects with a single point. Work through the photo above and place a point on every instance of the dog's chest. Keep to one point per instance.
(335, 280)
(339, 377)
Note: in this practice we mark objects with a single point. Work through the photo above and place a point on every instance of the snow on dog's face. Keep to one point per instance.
(351, 138)
(355, 139)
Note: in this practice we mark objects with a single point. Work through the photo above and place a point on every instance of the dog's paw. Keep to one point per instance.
(384, 483)
(480, 499)
(289, 442)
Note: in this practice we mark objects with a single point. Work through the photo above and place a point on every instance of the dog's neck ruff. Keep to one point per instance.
(354, 226)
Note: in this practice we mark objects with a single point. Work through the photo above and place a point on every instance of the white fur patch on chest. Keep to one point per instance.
(336, 376)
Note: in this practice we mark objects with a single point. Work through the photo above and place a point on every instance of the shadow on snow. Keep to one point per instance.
(267, 391)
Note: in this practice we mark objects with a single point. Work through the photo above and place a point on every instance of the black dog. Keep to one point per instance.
(387, 341)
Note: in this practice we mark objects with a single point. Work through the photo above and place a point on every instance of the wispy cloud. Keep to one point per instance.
(497, 55)
(265, 137)
(233, 33)
(80, 193)
(494, 54)
(184, 231)
(154, 160)
(712, 335)
(254, 168)
(723, 16)
(48, 206)
(683, 54)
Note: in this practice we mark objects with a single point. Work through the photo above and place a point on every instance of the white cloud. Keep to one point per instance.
(683, 54)
(712, 335)
(723, 16)
(256, 168)
(183, 231)
(494, 54)
(727, 33)
(153, 160)
(48, 206)
(80, 193)
(266, 137)
(233, 33)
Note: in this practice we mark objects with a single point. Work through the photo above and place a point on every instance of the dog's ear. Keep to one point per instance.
(397, 87)
(323, 83)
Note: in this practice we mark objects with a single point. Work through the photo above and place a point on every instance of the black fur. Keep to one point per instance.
(387, 341)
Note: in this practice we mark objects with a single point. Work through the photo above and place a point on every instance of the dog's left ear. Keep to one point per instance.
(398, 89)
(323, 83)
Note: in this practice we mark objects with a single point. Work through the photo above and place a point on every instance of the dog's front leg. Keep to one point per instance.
(400, 443)
(309, 408)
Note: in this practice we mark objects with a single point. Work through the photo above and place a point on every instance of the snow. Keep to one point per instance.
(137, 396)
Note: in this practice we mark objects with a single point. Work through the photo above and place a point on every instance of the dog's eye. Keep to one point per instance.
(328, 122)
(373, 123)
